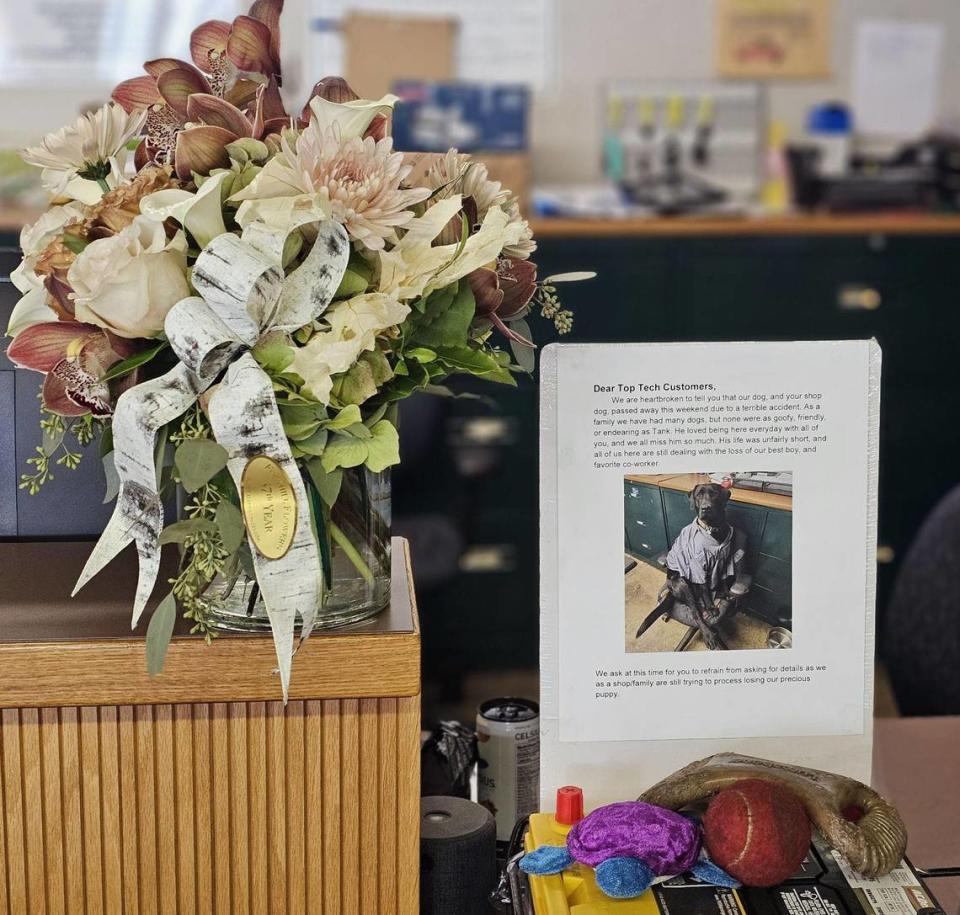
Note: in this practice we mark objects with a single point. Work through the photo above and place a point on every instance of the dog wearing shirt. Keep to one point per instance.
(702, 566)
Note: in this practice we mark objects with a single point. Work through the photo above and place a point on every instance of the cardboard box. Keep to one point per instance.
(380, 50)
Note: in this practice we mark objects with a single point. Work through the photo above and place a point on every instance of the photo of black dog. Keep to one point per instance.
(705, 569)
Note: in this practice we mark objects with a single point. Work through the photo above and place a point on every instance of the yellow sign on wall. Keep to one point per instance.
(769, 39)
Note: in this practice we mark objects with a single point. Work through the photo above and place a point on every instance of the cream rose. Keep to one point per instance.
(128, 282)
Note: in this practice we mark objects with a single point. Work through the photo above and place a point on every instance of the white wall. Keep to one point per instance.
(596, 40)
(604, 39)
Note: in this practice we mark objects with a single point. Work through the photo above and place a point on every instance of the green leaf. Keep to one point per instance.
(525, 355)
(106, 440)
(421, 354)
(315, 443)
(376, 416)
(273, 354)
(358, 430)
(112, 478)
(197, 461)
(300, 421)
(446, 318)
(74, 242)
(327, 482)
(574, 277)
(181, 530)
(159, 633)
(343, 451)
(349, 415)
(383, 449)
(355, 280)
(364, 378)
(126, 366)
(475, 362)
(229, 522)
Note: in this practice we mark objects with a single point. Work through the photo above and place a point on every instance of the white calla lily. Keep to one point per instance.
(31, 309)
(351, 118)
(414, 267)
(200, 213)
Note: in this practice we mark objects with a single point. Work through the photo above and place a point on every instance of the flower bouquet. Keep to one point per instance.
(236, 314)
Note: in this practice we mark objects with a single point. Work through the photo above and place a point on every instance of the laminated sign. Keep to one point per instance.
(708, 558)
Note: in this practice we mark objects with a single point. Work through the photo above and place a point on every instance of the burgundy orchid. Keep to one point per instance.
(74, 358)
(195, 110)
(503, 294)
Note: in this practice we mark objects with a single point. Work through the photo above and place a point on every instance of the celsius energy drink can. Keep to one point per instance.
(508, 770)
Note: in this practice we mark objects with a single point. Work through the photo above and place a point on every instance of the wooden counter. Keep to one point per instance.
(684, 482)
(799, 224)
(199, 790)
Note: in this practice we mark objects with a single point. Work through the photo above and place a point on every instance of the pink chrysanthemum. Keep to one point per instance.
(361, 178)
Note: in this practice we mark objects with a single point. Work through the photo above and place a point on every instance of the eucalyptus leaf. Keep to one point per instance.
(179, 531)
(525, 355)
(229, 521)
(126, 366)
(159, 633)
(106, 440)
(51, 441)
(573, 277)
(327, 482)
(197, 461)
(112, 478)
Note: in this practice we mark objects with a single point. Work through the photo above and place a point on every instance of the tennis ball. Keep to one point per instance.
(757, 831)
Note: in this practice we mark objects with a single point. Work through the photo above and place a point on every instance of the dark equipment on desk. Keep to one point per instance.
(458, 857)
(922, 175)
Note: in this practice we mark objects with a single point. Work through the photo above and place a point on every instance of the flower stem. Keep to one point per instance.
(342, 541)
(103, 184)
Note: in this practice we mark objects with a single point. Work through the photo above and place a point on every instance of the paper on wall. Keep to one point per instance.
(620, 712)
(896, 77)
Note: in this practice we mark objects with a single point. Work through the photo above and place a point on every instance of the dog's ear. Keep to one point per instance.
(693, 496)
(725, 494)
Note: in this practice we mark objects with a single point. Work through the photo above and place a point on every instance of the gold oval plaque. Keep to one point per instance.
(269, 506)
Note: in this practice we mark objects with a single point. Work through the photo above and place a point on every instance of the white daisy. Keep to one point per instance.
(92, 150)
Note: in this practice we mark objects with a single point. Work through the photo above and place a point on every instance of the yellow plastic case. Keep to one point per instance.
(575, 891)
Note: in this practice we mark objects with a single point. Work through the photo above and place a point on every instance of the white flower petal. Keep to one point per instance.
(200, 213)
(31, 309)
(351, 118)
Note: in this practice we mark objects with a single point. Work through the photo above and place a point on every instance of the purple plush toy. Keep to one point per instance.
(629, 845)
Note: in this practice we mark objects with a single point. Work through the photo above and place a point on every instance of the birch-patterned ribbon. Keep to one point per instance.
(243, 294)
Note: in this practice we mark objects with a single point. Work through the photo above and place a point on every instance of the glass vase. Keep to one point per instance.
(358, 575)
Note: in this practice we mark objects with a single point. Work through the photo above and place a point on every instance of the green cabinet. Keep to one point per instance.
(643, 518)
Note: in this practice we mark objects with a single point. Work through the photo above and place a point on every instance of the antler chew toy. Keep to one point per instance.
(874, 844)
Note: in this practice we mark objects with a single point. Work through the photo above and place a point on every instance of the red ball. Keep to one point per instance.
(757, 831)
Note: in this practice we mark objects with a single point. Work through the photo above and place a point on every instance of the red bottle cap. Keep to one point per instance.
(569, 805)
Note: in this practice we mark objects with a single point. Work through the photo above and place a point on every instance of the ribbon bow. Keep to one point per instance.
(243, 294)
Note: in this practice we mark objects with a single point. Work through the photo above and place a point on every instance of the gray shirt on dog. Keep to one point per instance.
(702, 560)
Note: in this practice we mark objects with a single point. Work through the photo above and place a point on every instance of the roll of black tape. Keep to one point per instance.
(458, 857)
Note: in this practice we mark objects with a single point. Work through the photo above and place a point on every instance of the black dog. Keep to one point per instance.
(703, 565)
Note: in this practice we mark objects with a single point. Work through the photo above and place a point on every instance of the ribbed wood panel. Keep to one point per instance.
(244, 807)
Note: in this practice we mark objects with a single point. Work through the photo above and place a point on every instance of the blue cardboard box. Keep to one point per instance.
(432, 117)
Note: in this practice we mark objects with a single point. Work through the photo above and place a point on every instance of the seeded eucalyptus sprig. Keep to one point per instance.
(55, 431)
